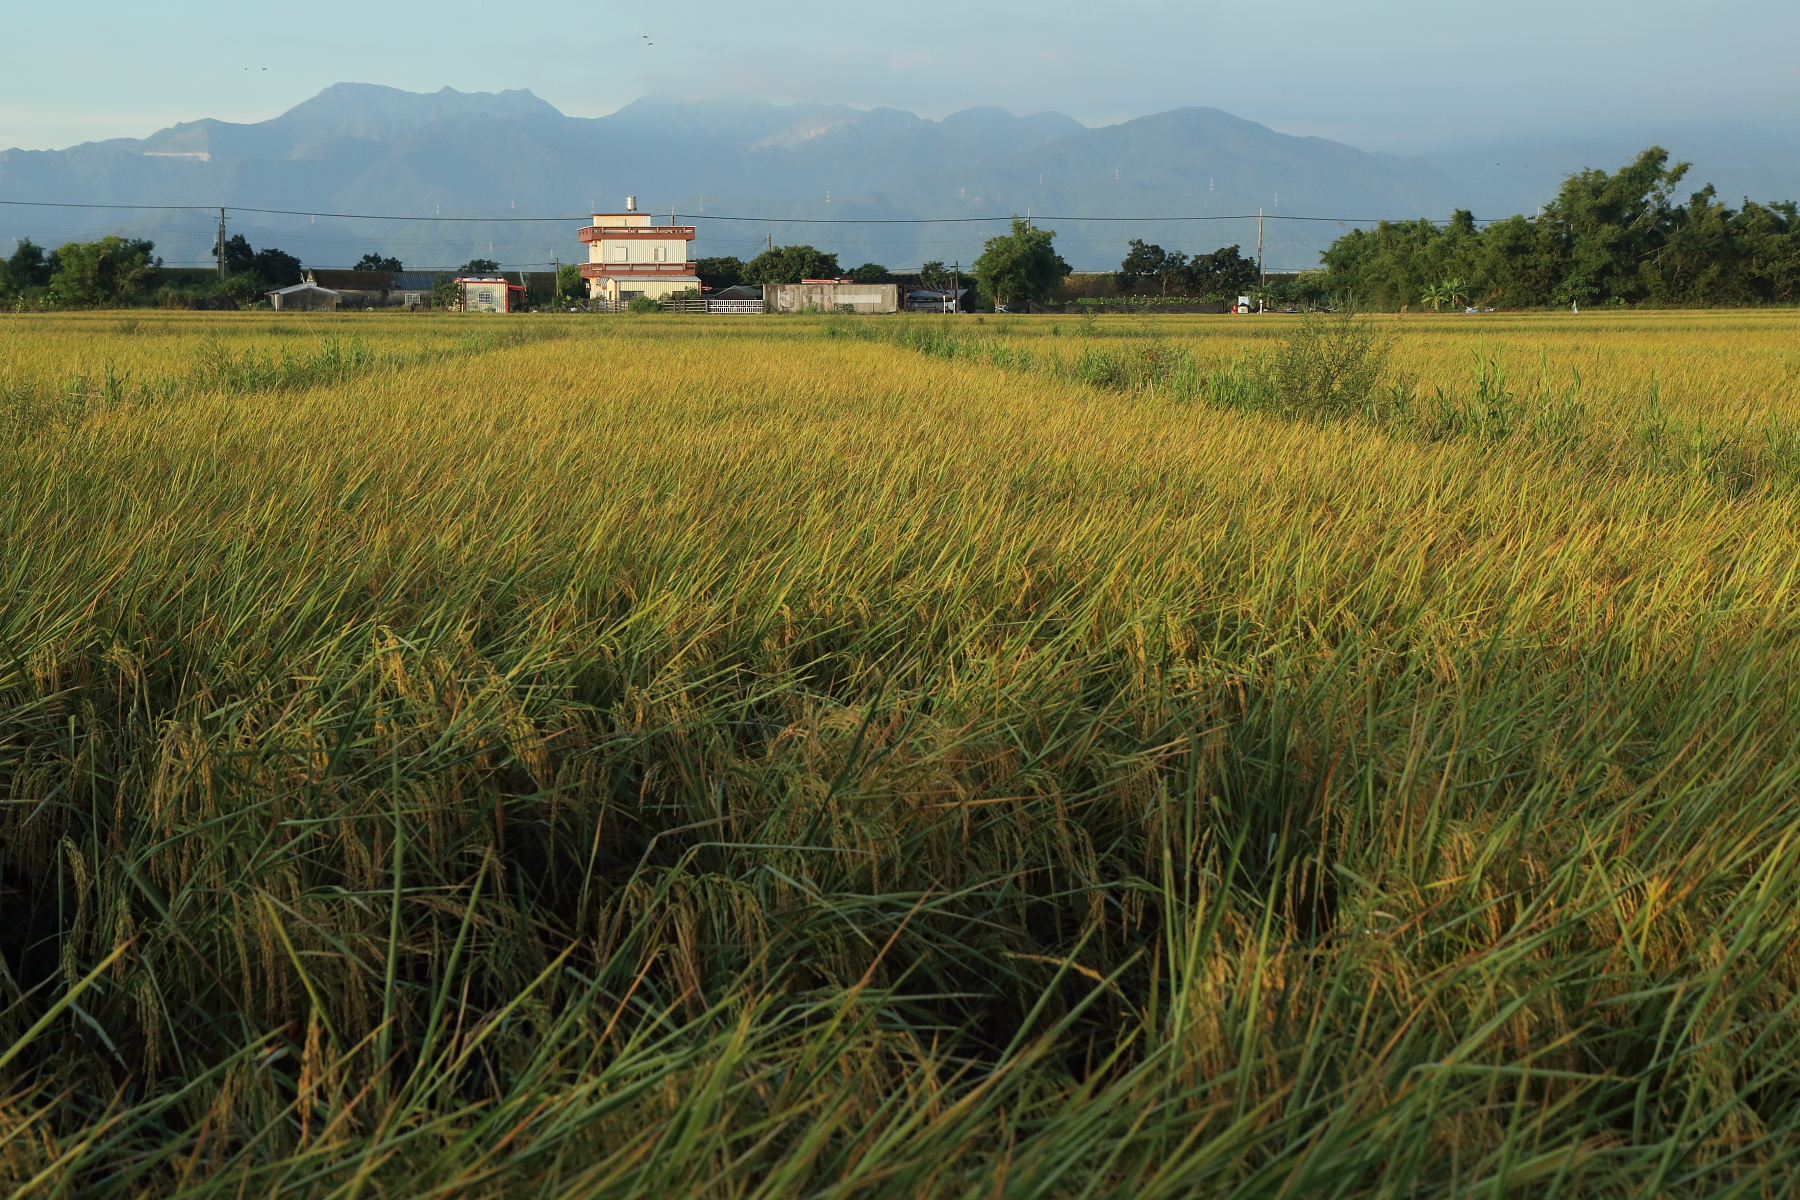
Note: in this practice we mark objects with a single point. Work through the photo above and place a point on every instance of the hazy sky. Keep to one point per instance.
(1399, 75)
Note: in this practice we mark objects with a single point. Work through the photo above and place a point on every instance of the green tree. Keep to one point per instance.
(870, 273)
(444, 292)
(791, 264)
(569, 283)
(1151, 262)
(475, 266)
(1574, 290)
(1611, 228)
(110, 271)
(28, 267)
(245, 286)
(375, 262)
(935, 274)
(719, 273)
(239, 257)
(1769, 251)
(266, 268)
(1309, 289)
(1224, 272)
(1022, 265)
(277, 268)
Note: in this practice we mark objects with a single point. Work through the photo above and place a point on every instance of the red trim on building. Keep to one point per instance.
(636, 233)
(635, 270)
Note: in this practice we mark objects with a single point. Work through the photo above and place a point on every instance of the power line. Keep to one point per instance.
(290, 212)
(285, 212)
(960, 220)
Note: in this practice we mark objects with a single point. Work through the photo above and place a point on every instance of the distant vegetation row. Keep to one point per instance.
(1606, 239)
(1616, 240)
(125, 272)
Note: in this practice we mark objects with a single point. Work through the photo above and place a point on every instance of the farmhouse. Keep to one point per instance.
(304, 297)
(629, 257)
(489, 293)
(413, 288)
(375, 289)
(355, 289)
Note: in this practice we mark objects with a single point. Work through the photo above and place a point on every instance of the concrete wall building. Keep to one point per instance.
(832, 295)
(629, 257)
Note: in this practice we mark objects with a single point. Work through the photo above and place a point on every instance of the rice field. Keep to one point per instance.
(830, 757)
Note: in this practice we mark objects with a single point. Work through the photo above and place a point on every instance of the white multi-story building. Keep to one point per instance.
(629, 257)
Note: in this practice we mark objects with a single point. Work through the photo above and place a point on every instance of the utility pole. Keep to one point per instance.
(955, 287)
(221, 246)
(1262, 275)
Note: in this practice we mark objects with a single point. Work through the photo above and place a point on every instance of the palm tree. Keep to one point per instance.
(1436, 294)
(1456, 292)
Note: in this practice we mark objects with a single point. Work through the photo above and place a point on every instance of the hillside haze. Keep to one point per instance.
(363, 148)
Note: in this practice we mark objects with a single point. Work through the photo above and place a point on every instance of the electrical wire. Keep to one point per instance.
(289, 212)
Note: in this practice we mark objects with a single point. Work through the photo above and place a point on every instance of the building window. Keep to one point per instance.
(621, 254)
(484, 297)
(412, 298)
(660, 254)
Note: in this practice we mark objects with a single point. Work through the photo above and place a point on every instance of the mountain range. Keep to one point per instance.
(486, 159)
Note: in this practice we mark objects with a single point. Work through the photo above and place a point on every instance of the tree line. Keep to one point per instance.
(112, 270)
(1020, 265)
(117, 271)
(1615, 239)
(1224, 272)
(784, 264)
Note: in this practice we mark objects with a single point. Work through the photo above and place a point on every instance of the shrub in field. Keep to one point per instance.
(1327, 367)
(643, 304)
